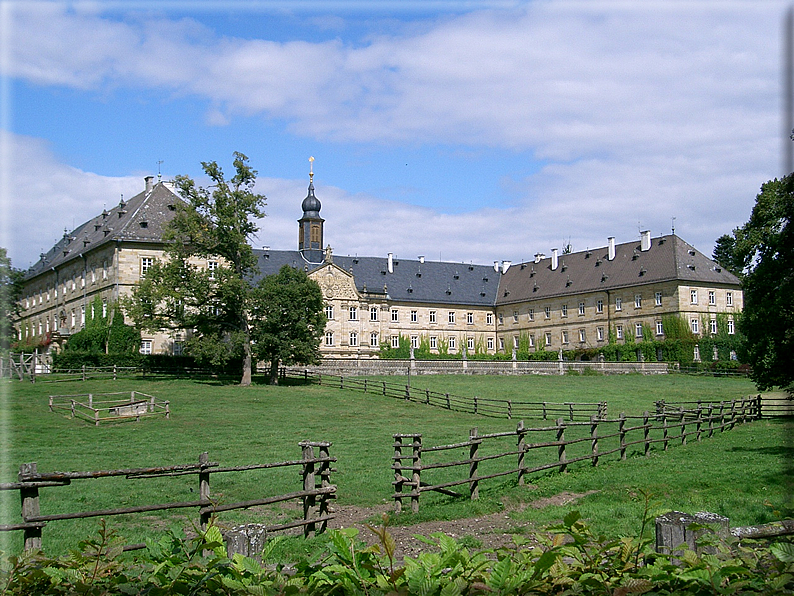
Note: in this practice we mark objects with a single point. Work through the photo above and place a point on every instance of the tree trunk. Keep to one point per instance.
(246, 380)
(274, 371)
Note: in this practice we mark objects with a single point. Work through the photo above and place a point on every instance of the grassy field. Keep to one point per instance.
(738, 473)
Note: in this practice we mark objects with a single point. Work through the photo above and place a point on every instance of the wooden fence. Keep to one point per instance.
(133, 406)
(316, 493)
(23, 365)
(552, 447)
(495, 408)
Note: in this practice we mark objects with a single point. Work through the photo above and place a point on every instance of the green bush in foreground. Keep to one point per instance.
(569, 559)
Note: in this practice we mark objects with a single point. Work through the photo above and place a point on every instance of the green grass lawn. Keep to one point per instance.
(738, 473)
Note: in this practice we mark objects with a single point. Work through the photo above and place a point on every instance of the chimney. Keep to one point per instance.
(390, 266)
(554, 259)
(539, 256)
(496, 266)
(645, 243)
(611, 241)
(421, 259)
(149, 180)
(506, 266)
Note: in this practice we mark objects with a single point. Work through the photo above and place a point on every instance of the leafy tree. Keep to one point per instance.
(287, 319)
(761, 253)
(724, 253)
(10, 291)
(764, 250)
(213, 223)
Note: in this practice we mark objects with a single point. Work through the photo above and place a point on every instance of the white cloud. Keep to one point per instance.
(641, 113)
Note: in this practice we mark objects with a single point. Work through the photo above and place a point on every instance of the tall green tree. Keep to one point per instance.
(10, 291)
(764, 254)
(215, 223)
(287, 319)
(725, 253)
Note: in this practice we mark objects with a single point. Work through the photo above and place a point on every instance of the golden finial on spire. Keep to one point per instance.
(311, 169)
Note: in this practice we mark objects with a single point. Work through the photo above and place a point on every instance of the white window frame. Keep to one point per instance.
(395, 341)
(728, 298)
(731, 327)
(547, 311)
(515, 341)
(395, 315)
(713, 326)
(548, 338)
(415, 342)
(712, 298)
(659, 328)
(515, 316)
(329, 312)
(618, 331)
(373, 313)
(599, 306)
(470, 344)
(470, 318)
(638, 330)
(146, 346)
(531, 340)
(693, 296)
(581, 309)
(564, 337)
(353, 339)
(637, 300)
(432, 316)
(618, 303)
(582, 336)
(694, 324)
(489, 343)
(212, 267)
(373, 340)
(489, 318)
(451, 317)
(414, 316)
(564, 310)
(600, 333)
(657, 297)
(433, 342)
(352, 312)
(146, 263)
(531, 314)
(329, 338)
(451, 343)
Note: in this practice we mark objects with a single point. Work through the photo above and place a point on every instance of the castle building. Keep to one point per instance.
(563, 301)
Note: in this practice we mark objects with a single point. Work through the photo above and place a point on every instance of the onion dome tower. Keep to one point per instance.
(310, 226)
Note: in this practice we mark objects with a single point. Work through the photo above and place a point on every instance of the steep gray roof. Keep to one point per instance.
(669, 258)
(410, 280)
(141, 219)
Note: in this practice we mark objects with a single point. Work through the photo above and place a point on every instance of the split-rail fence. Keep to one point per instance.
(495, 408)
(552, 447)
(316, 493)
(109, 407)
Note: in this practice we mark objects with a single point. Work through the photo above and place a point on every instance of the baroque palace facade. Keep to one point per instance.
(559, 301)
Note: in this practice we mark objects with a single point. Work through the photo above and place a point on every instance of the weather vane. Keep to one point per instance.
(311, 169)
(159, 176)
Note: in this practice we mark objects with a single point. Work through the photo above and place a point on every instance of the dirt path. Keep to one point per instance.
(494, 530)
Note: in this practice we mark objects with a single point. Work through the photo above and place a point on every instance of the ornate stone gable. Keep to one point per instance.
(336, 283)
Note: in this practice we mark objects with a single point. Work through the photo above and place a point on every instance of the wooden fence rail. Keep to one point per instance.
(317, 491)
(93, 408)
(550, 448)
(494, 408)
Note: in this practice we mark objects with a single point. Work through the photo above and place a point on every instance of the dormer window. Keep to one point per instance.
(144, 224)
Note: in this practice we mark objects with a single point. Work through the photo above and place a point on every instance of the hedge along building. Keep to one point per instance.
(564, 301)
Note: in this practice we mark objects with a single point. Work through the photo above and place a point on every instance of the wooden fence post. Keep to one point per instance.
(509, 409)
(594, 439)
(475, 404)
(449, 407)
(522, 446)
(699, 423)
(427, 396)
(561, 443)
(646, 423)
(30, 508)
(309, 501)
(204, 487)
(758, 412)
(622, 433)
(84, 372)
(711, 420)
(407, 392)
(682, 416)
(722, 416)
(544, 410)
(416, 479)
(114, 372)
(325, 482)
(397, 463)
(570, 411)
(673, 530)
(664, 429)
(474, 444)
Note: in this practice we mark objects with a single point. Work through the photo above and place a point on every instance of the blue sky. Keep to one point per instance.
(467, 131)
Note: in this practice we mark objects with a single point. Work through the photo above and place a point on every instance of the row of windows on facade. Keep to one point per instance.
(352, 314)
(374, 338)
(47, 325)
(599, 305)
(44, 295)
(147, 262)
